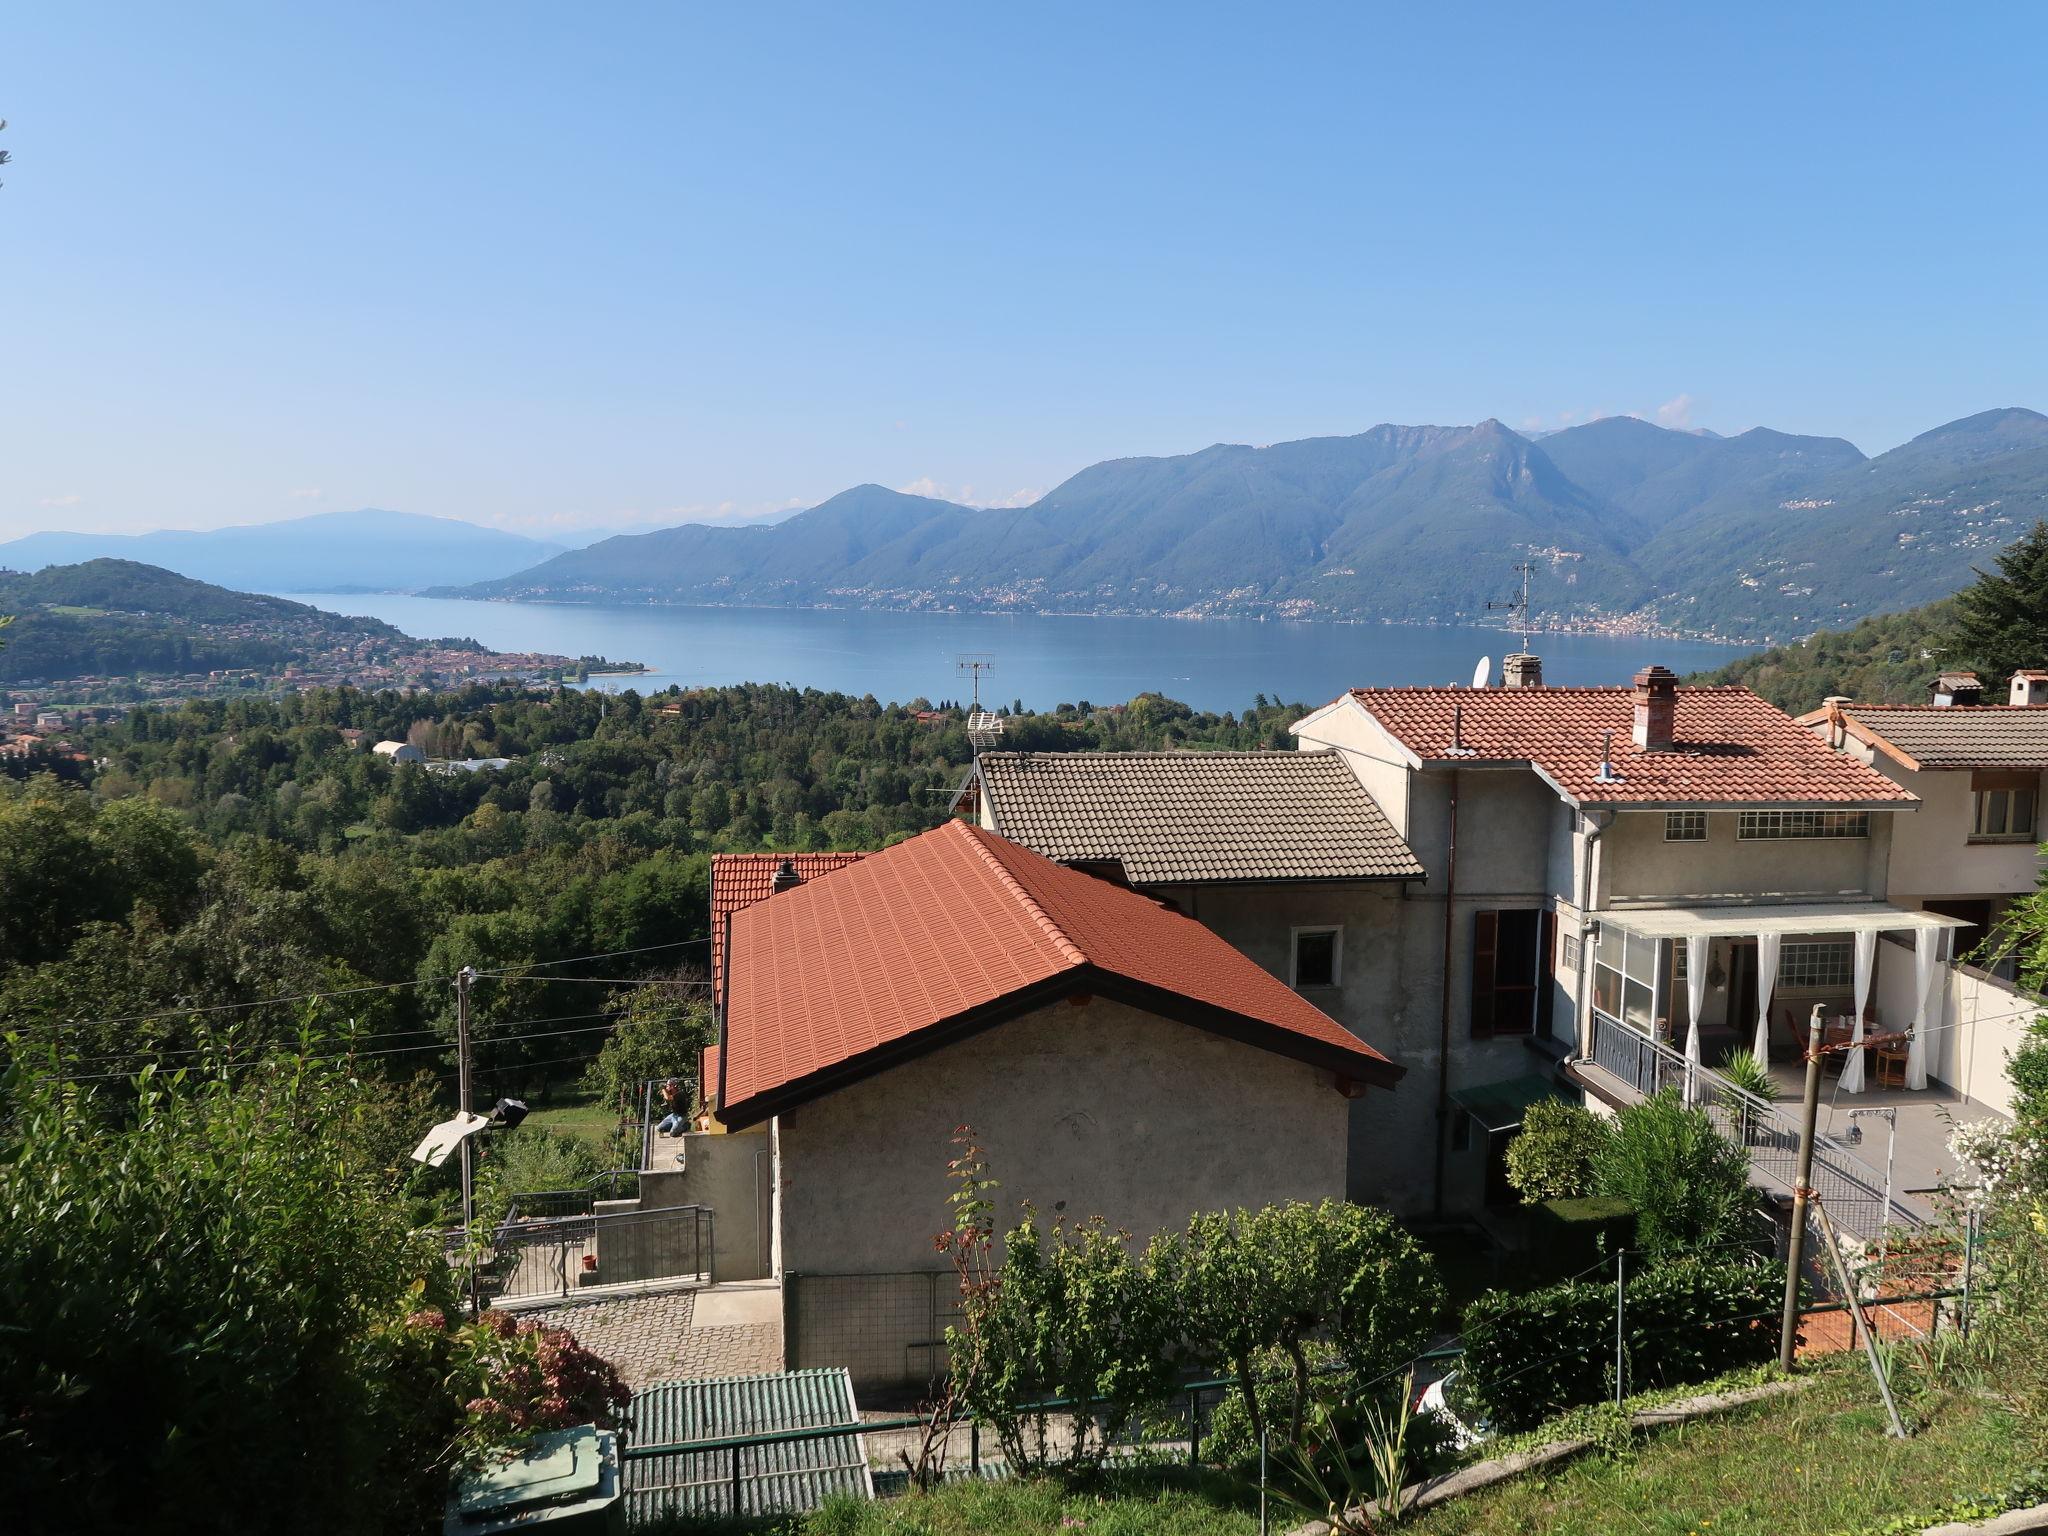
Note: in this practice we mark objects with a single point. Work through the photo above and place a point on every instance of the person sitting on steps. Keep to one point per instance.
(674, 1119)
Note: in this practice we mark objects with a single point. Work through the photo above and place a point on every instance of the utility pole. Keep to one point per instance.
(463, 979)
(1802, 1191)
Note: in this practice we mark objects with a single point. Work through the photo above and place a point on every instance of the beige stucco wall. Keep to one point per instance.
(1638, 866)
(733, 1175)
(1103, 1107)
(1932, 855)
(1976, 1023)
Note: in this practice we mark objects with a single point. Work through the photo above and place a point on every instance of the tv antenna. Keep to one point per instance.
(973, 664)
(1518, 606)
(984, 728)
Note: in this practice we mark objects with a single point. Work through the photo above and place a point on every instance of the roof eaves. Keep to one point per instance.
(1411, 759)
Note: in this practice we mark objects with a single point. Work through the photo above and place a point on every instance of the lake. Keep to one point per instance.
(1210, 664)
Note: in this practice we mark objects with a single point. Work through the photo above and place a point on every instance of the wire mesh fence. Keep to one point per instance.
(888, 1330)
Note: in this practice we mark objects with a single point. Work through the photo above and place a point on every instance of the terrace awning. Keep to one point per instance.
(1768, 925)
(1503, 1106)
(1733, 922)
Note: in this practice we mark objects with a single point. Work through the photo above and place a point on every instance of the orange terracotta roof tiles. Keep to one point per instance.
(1729, 746)
(951, 931)
(738, 880)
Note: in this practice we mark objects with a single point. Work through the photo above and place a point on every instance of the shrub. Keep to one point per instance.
(1689, 1185)
(528, 1160)
(199, 1284)
(1254, 1287)
(661, 1033)
(1532, 1355)
(1752, 1076)
(1567, 1237)
(1552, 1158)
(1072, 1316)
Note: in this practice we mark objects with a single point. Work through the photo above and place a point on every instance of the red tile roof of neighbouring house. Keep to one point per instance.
(738, 880)
(958, 929)
(1729, 747)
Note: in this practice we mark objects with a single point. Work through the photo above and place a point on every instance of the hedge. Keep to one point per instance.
(1533, 1355)
(1567, 1237)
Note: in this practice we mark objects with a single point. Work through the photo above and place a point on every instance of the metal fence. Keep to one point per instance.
(1854, 1191)
(559, 1256)
(888, 1330)
(533, 1205)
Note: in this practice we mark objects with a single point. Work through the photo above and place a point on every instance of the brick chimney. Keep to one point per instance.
(2029, 687)
(1958, 688)
(785, 878)
(1838, 722)
(1656, 708)
(1521, 670)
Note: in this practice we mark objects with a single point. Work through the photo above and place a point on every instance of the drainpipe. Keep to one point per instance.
(1443, 1063)
(1583, 1006)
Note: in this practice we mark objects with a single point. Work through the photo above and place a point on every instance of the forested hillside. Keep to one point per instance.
(1748, 537)
(105, 618)
(1994, 626)
(227, 852)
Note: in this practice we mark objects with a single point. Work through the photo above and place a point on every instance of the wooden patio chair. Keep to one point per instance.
(1890, 1065)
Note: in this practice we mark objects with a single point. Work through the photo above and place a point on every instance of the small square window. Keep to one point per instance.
(1318, 957)
(1685, 826)
(1568, 959)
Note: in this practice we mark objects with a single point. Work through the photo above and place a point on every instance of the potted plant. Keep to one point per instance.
(1743, 1070)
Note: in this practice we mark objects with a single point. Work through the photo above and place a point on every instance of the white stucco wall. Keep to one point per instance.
(1977, 1022)
(1103, 1107)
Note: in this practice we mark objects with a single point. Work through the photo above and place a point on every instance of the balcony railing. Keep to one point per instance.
(556, 1256)
(1853, 1192)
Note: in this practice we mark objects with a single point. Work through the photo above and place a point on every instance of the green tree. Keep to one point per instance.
(1688, 1183)
(2001, 621)
(1274, 1284)
(661, 1033)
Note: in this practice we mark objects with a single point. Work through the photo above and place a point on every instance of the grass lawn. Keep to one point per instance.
(576, 1113)
(1130, 1504)
(1813, 1464)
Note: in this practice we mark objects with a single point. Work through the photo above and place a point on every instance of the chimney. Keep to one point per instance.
(1656, 708)
(1958, 688)
(1521, 670)
(785, 879)
(2029, 687)
(1838, 722)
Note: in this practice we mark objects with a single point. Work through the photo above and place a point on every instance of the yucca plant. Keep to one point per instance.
(1351, 1467)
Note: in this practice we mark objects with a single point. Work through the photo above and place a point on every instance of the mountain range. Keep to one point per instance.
(364, 551)
(1629, 525)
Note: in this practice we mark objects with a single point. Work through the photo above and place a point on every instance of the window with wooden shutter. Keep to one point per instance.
(1485, 944)
(1510, 971)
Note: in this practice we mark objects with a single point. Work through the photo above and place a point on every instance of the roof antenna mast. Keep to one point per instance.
(1518, 606)
(984, 728)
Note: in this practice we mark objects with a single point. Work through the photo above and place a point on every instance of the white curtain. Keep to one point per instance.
(1766, 978)
(1695, 1005)
(1925, 941)
(1866, 957)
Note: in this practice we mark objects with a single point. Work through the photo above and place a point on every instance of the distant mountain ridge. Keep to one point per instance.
(1753, 536)
(369, 550)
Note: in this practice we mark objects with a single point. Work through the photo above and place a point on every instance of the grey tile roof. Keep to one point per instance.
(1178, 818)
(1958, 735)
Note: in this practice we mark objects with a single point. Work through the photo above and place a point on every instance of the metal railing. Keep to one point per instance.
(540, 1204)
(558, 1256)
(1854, 1191)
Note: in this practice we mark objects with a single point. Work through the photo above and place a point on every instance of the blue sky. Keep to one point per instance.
(620, 265)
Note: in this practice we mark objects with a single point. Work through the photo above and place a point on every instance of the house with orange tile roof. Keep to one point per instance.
(1286, 857)
(1113, 1055)
(1634, 882)
(1972, 850)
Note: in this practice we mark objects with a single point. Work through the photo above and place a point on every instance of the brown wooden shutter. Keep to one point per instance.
(1546, 970)
(1485, 955)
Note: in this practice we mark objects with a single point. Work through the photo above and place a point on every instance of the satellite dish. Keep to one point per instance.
(1482, 674)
